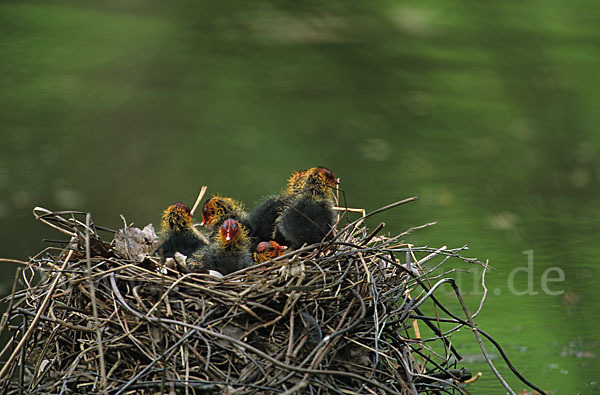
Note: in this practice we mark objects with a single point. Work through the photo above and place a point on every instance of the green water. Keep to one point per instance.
(487, 111)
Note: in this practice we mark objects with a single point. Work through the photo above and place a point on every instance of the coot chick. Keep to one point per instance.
(310, 216)
(263, 218)
(177, 232)
(228, 250)
(267, 250)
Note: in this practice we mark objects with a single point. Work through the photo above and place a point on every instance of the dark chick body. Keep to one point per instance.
(224, 261)
(309, 217)
(229, 249)
(306, 221)
(262, 220)
(185, 243)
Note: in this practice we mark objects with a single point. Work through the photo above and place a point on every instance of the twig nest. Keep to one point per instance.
(331, 318)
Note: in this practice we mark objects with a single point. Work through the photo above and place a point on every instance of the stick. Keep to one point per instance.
(6, 315)
(199, 199)
(372, 234)
(35, 320)
(47, 212)
(88, 258)
(14, 261)
(479, 340)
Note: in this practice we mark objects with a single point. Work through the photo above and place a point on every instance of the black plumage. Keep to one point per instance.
(185, 243)
(306, 221)
(225, 262)
(262, 219)
(309, 216)
(177, 232)
(228, 250)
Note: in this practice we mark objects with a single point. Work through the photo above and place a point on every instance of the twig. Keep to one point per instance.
(476, 333)
(8, 312)
(42, 219)
(88, 258)
(33, 325)
(199, 199)
(372, 234)
(151, 364)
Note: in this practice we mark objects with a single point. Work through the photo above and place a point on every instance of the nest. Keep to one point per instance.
(344, 316)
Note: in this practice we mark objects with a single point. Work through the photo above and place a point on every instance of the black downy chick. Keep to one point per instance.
(229, 249)
(310, 216)
(177, 232)
(263, 218)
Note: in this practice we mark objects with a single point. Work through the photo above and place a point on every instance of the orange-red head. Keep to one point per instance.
(232, 232)
(320, 180)
(218, 207)
(176, 218)
(267, 250)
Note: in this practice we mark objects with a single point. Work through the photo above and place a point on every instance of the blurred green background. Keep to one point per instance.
(487, 111)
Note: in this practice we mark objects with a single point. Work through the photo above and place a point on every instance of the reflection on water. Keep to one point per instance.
(485, 112)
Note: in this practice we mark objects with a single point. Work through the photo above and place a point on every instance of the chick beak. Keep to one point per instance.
(228, 235)
(337, 180)
(203, 222)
